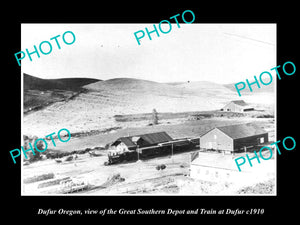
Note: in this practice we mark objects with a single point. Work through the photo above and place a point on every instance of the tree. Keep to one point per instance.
(30, 156)
(154, 117)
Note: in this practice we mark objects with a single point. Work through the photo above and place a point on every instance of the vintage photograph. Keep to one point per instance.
(162, 117)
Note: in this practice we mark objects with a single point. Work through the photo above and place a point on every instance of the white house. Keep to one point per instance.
(216, 167)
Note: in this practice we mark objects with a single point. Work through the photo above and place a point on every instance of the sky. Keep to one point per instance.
(220, 53)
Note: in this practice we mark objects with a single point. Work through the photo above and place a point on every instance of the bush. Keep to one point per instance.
(38, 178)
(161, 167)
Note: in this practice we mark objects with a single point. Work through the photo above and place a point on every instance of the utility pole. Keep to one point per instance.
(172, 152)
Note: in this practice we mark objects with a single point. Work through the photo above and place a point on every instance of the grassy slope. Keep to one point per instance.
(263, 88)
(74, 84)
(42, 92)
(96, 107)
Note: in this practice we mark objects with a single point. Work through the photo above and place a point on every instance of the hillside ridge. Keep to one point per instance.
(35, 83)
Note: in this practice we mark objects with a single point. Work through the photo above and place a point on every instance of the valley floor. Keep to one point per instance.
(140, 177)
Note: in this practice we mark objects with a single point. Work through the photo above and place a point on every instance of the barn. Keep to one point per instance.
(233, 138)
(144, 140)
(237, 106)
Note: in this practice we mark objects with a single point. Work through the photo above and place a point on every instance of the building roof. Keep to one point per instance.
(152, 139)
(242, 130)
(240, 102)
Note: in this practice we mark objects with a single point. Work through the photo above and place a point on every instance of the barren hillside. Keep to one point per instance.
(94, 109)
(39, 93)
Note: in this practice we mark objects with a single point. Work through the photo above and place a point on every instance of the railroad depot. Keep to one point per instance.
(146, 146)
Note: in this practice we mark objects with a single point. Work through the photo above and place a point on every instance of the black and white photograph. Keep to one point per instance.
(108, 112)
(149, 111)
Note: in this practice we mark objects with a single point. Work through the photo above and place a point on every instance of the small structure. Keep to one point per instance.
(237, 106)
(233, 138)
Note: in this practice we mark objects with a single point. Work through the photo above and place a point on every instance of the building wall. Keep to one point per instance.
(232, 107)
(205, 173)
(121, 147)
(250, 141)
(217, 140)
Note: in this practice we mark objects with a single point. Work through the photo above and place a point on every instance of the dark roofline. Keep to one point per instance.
(144, 136)
(239, 124)
(207, 131)
(243, 124)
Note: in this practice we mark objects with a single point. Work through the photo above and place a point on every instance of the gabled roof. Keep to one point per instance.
(242, 130)
(152, 139)
(240, 102)
(155, 138)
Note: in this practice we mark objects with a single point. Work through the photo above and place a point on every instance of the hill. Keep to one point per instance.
(94, 107)
(39, 93)
(74, 84)
(263, 88)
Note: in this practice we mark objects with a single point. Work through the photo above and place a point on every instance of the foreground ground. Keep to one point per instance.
(137, 178)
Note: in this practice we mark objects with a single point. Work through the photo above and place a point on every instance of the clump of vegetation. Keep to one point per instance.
(267, 187)
(59, 154)
(38, 178)
(154, 117)
(31, 141)
(161, 167)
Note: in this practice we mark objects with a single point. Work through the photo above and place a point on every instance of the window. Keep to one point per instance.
(261, 140)
(215, 136)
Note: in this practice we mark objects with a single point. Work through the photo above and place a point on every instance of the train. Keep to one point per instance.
(161, 149)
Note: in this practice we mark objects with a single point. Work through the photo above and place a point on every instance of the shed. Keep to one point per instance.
(233, 138)
(142, 140)
(237, 106)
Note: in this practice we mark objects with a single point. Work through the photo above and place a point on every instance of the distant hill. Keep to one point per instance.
(74, 84)
(94, 106)
(263, 88)
(39, 93)
(128, 84)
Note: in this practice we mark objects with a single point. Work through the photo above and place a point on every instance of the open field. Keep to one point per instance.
(178, 128)
(140, 177)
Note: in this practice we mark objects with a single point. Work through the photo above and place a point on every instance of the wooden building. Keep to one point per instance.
(139, 141)
(237, 106)
(233, 138)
